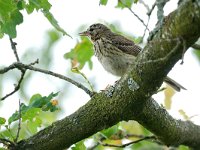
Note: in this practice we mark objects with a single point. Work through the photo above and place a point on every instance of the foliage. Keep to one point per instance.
(30, 115)
(36, 103)
(197, 54)
(103, 2)
(121, 3)
(11, 16)
(124, 3)
(81, 54)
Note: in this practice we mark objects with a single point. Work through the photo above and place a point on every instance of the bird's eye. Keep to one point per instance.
(91, 29)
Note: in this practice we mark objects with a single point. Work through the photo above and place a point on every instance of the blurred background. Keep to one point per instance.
(36, 38)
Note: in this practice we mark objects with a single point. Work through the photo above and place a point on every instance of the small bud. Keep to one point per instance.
(54, 102)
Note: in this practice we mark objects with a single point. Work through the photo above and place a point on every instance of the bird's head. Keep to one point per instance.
(95, 31)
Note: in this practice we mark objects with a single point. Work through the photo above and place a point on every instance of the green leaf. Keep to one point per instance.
(30, 114)
(103, 2)
(6, 7)
(34, 124)
(81, 54)
(34, 98)
(145, 145)
(14, 117)
(36, 104)
(182, 147)
(10, 17)
(20, 5)
(1, 33)
(2, 121)
(54, 36)
(36, 5)
(43, 102)
(3, 148)
(79, 146)
(124, 3)
(183, 114)
(197, 54)
(110, 131)
(54, 22)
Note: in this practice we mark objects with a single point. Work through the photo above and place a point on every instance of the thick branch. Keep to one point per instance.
(134, 102)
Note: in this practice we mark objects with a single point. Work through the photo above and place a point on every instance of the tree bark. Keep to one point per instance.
(131, 99)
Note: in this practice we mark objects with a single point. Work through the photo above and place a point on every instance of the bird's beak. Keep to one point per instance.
(85, 33)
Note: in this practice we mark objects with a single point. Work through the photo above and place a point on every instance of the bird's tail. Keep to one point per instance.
(175, 85)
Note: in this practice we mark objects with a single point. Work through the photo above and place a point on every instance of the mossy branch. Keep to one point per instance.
(180, 30)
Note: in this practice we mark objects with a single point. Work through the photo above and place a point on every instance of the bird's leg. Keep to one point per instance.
(109, 90)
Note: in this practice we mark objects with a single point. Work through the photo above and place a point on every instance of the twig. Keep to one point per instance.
(7, 142)
(146, 28)
(76, 70)
(169, 54)
(196, 46)
(151, 10)
(16, 86)
(19, 123)
(160, 15)
(13, 66)
(135, 135)
(130, 143)
(21, 66)
(135, 15)
(148, 14)
(79, 85)
(145, 5)
(160, 5)
(13, 46)
(6, 69)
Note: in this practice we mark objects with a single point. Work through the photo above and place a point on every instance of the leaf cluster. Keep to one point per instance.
(11, 15)
(121, 3)
(30, 114)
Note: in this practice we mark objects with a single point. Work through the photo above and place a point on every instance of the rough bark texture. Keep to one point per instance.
(128, 102)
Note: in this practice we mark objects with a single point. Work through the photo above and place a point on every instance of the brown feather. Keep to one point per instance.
(125, 45)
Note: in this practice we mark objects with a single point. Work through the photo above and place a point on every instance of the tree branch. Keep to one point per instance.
(160, 5)
(196, 46)
(130, 103)
(129, 143)
(7, 143)
(22, 66)
(17, 87)
(13, 46)
(19, 123)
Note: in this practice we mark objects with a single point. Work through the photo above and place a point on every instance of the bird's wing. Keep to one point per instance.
(125, 45)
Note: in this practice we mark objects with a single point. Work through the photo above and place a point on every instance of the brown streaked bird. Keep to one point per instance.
(115, 52)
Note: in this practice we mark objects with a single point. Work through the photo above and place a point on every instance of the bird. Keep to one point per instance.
(116, 52)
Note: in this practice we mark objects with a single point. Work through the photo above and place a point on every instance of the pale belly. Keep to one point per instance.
(116, 65)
